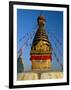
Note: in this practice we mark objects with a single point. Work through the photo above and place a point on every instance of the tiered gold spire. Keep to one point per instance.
(41, 48)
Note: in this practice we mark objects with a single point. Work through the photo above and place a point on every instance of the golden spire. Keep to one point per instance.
(41, 36)
(40, 54)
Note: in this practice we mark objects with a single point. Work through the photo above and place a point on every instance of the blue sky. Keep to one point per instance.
(27, 23)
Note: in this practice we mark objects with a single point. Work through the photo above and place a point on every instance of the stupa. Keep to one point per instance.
(41, 52)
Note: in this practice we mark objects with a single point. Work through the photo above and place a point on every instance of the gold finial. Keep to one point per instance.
(41, 20)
